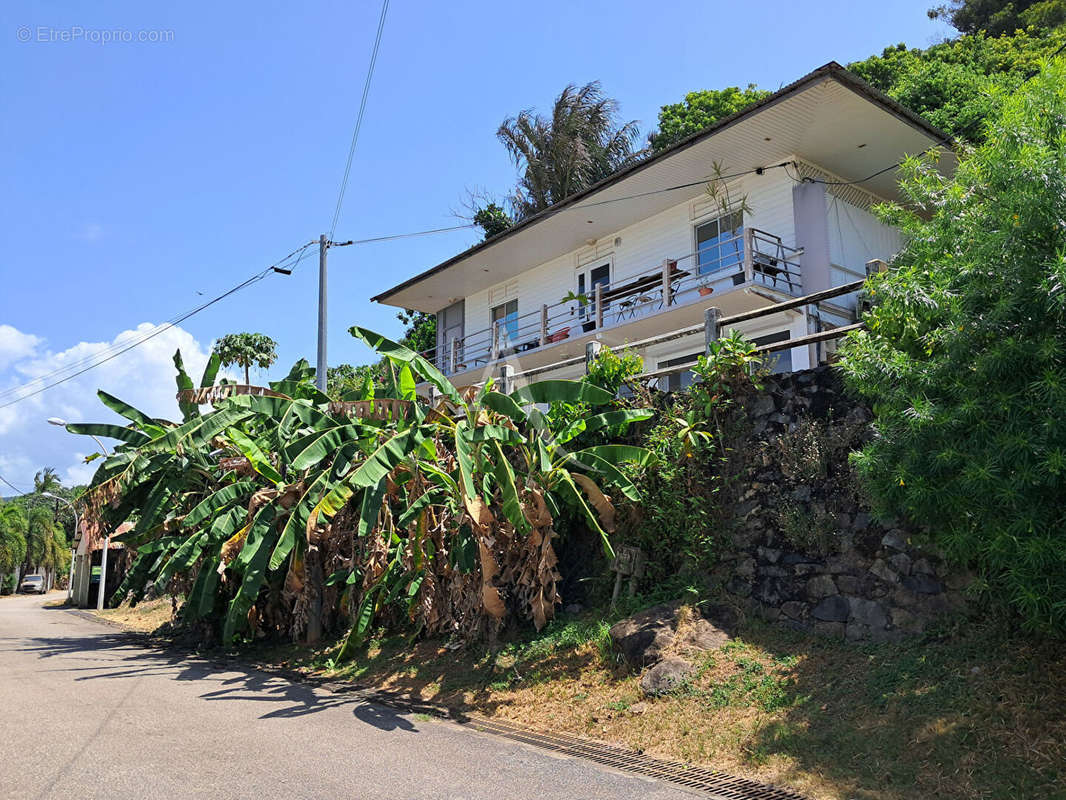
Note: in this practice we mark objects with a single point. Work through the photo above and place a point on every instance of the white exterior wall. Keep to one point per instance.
(856, 236)
(643, 247)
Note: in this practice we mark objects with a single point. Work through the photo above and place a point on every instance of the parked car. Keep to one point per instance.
(32, 584)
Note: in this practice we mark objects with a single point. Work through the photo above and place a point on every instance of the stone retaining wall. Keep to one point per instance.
(805, 549)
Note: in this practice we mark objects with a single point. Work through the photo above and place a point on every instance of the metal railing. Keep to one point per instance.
(751, 256)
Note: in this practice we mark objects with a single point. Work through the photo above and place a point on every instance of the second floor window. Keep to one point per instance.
(507, 315)
(720, 243)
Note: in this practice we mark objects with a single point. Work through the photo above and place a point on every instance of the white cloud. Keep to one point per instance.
(143, 377)
(15, 345)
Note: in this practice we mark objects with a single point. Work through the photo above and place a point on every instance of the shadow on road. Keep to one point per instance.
(121, 655)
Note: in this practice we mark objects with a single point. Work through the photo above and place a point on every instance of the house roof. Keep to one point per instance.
(893, 130)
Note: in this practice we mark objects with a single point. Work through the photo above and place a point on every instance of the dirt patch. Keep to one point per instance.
(146, 616)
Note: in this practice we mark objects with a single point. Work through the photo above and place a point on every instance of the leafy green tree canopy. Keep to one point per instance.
(998, 17)
(965, 358)
(958, 84)
(13, 526)
(580, 142)
(247, 350)
(700, 110)
(492, 219)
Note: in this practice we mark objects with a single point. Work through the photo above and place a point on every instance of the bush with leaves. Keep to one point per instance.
(965, 357)
(686, 499)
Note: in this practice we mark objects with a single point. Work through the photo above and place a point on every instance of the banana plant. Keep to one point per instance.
(443, 515)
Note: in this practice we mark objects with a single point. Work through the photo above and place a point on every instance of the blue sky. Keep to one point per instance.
(139, 174)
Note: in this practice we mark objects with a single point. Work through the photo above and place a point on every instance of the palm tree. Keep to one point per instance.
(46, 481)
(46, 546)
(579, 144)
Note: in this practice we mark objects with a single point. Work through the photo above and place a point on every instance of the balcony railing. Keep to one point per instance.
(752, 256)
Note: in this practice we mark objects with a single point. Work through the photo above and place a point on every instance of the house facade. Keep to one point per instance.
(772, 203)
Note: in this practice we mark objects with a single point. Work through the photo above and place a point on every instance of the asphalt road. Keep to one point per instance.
(86, 714)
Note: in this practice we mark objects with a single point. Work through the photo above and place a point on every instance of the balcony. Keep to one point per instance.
(653, 301)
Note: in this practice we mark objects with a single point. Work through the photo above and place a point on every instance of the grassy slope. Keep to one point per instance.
(967, 714)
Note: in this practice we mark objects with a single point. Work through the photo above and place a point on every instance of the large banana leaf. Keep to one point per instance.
(311, 449)
(512, 504)
(256, 457)
(398, 353)
(188, 410)
(128, 435)
(561, 391)
(251, 563)
(210, 370)
(216, 501)
(123, 409)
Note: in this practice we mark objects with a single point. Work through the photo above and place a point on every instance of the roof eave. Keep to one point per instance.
(830, 70)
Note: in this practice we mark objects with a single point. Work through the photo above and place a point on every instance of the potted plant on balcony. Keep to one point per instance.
(588, 323)
(704, 287)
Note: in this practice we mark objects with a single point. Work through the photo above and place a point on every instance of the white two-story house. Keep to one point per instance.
(771, 203)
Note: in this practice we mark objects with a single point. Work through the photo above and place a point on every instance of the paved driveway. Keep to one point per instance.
(86, 714)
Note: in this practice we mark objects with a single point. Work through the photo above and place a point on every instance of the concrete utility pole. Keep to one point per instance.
(102, 586)
(320, 372)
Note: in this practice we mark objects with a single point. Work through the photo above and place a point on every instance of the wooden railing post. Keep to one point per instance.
(668, 288)
(749, 255)
(710, 328)
(543, 325)
(598, 294)
(494, 351)
(454, 357)
(592, 351)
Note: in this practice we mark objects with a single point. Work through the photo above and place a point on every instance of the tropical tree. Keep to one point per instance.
(959, 84)
(700, 110)
(286, 512)
(46, 480)
(247, 350)
(12, 539)
(46, 545)
(998, 17)
(578, 144)
(965, 358)
(493, 219)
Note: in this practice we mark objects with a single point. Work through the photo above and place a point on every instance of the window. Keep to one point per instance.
(507, 315)
(780, 360)
(720, 243)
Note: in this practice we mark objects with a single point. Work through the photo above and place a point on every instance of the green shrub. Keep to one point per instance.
(686, 497)
(965, 358)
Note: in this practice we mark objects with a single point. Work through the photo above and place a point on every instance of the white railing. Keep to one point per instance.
(752, 256)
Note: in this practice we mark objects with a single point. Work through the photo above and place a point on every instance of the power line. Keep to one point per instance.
(393, 236)
(13, 486)
(128, 343)
(162, 328)
(553, 211)
(359, 117)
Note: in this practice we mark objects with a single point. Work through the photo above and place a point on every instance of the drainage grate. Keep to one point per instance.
(715, 784)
